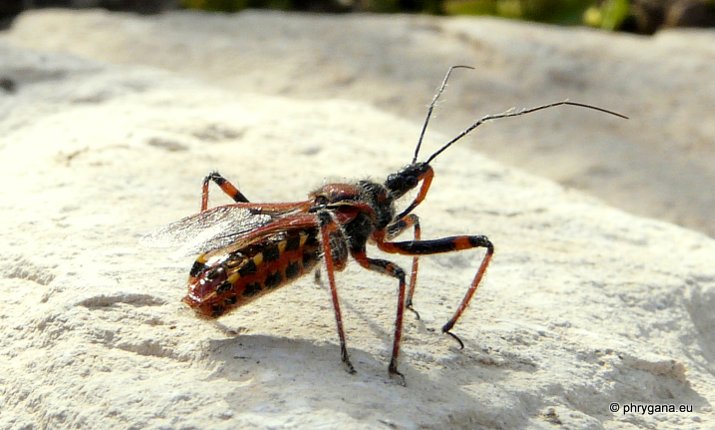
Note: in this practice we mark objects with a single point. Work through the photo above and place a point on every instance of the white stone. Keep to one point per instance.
(584, 305)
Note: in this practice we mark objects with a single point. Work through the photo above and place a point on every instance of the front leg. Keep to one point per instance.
(447, 244)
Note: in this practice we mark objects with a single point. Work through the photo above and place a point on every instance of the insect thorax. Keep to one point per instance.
(372, 201)
(377, 197)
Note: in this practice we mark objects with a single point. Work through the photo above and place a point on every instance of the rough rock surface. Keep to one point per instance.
(659, 164)
(584, 305)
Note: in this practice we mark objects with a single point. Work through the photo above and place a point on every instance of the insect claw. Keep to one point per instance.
(395, 374)
(417, 314)
(399, 378)
(346, 361)
(461, 344)
(349, 367)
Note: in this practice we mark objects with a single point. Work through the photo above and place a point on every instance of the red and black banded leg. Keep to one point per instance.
(225, 186)
(328, 230)
(447, 244)
(391, 269)
(394, 230)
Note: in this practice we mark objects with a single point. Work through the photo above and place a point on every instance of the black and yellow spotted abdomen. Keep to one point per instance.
(230, 277)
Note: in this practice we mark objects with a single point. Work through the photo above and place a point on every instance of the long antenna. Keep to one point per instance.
(511, 113)
(431, 107)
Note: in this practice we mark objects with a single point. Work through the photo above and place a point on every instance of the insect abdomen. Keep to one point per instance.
(221, 282)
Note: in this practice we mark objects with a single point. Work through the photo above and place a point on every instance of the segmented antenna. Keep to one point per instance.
(512, 113)
(431, 107)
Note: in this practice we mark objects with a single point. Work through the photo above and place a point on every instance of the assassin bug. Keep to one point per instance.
(250, 249)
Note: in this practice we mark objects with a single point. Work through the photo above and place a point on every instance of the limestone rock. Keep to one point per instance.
(584, 305)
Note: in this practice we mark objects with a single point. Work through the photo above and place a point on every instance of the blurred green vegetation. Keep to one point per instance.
(642, 16)
(608, 14)
(381, 6)
(552, 11)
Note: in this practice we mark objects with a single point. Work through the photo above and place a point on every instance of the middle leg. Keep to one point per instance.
(330, 236)
(447, 244)
(394, 230)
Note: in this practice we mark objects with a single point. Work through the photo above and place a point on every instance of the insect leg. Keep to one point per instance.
(390, 269)
(328, 226)
(447, 244)
(426, 179)
(225, 186)
(317, 278)
(394, 230)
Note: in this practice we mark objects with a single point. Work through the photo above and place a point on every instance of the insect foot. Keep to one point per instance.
(348, 365)
(395, 375)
